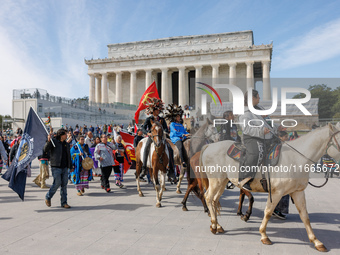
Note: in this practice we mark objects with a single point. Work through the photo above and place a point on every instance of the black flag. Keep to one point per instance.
(31, 146)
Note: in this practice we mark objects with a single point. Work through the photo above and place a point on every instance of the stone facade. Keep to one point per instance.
(131, 67)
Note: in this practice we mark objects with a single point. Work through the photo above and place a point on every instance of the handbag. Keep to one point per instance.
(87, 163)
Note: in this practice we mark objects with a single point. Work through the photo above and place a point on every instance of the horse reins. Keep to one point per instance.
(328, 145)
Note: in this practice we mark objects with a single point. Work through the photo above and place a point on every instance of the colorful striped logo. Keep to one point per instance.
(209, 93)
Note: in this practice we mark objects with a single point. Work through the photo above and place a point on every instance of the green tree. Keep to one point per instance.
(327, 99)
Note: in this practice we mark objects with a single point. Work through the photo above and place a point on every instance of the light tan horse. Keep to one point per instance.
(293, 182)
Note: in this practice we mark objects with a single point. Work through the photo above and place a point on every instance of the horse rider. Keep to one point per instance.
(154, 108)
(255, 138)
(177, 131)
(228, 131)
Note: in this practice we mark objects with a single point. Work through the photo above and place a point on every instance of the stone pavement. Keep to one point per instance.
(124, 223)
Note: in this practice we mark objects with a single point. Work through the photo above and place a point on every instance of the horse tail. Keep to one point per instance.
(204, 178)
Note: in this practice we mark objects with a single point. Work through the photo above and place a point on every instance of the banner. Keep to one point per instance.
(31, 146)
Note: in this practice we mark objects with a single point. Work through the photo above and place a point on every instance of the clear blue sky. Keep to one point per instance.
(43, 43)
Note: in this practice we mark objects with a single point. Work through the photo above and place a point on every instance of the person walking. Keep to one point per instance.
(119, 168)
(40, 180)
(79, 176)
(104, 154)
(60, 159)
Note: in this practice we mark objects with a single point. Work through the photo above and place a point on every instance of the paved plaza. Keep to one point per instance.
(121, 222)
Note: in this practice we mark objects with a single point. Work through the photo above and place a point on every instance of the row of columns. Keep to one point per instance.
(99, 85)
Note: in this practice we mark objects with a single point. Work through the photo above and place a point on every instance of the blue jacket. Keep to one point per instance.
(177, 131)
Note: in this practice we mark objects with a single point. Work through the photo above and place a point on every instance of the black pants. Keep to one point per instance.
(179, 145)
(254, 156)
(106, 172)
(146, 154)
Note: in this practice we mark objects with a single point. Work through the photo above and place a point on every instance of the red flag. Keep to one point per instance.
(130, 150)
(136, 128)
(150, 92)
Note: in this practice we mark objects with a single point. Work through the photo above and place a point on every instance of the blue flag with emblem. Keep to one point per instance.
(31, 146)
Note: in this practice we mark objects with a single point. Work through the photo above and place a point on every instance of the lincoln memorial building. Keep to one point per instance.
(176, 63)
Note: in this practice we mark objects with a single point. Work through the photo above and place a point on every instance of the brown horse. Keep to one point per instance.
(157, 160)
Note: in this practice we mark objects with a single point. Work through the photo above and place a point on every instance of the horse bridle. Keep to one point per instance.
(329, 144)
(159, 145)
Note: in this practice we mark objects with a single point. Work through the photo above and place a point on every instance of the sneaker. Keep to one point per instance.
(121, 186)
(108, 190)
(79, 193)
(82, 190)
(279, 215)
(246, 186)
(66, 206)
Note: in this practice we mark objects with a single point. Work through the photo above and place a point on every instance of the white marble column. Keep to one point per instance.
(215, 74)
(105, 89)
(181, 86)
(133, 87)
(198, 95)
(92, 92)
(250, 74)
(267, 95)
(98, 90)
(232, 77)
(148, 80)
(165, 92)
(186, 86)
(170, 96)
(119, 91)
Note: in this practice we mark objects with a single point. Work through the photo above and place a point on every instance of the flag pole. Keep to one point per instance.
(42, 123)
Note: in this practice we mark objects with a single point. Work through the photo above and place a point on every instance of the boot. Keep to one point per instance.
(171, 176)
(143, 172)
(43, 184)
(36, 181)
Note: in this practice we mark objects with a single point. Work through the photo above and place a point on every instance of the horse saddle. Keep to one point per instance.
(235, 151)
(273, 154)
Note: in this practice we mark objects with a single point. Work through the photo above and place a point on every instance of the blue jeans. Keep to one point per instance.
(60, 178)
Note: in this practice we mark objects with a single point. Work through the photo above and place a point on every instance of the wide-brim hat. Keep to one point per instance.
(154, 104)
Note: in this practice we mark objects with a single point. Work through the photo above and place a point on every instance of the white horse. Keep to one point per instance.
(293, 182)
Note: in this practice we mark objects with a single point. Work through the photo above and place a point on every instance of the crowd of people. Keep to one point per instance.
(68, 149)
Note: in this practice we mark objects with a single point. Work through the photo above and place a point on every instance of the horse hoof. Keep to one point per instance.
(244, 218)
(141, 194)
(239, 214)
(220, 230)
(321, 248)
(158, 205)
(213, 230)
(266, 241)
(178, 191)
